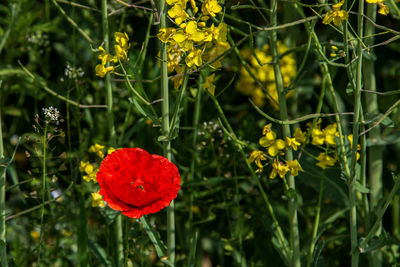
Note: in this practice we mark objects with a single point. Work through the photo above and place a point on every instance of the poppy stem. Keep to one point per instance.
(165, 132)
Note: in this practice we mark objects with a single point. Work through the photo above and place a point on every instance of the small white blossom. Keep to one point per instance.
(51, 114)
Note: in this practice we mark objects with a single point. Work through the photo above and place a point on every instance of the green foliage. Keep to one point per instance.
(226, 214)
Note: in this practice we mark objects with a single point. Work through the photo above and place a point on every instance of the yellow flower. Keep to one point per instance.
(383, 9)
(211, 7)
(120, 53)
(35, 235)
(178, 79)
(278, 168)
(268, 138)
(330, 132)
(318, 136)
(291, 142)
(336, 15)
(257, 156)
(299, 135)
(98, 149)
(90, 171)
(294, 167)
(86, 166)
(178, 13)
(193, 33)
(208, 84)
(181, 38)
(275, 147)
(111, 150)
(97, 200)
(194, 58)
(218, 49)
(122, 40)
(325, 160)
(267, 128)
(101, 71)
(165, 34)
(194, 7)
(173, 60)
(264, 72)
(105, 57)
(217, 33)
(177, 2)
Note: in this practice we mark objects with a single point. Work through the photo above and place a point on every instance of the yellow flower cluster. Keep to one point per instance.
(90, 169)
(262, 69)
(383, 9)
(121, 52)
(336, 14)
(97, 200)
(191, 42)
(327, 137)
(275, 150)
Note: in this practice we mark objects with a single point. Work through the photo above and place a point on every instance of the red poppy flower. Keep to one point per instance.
(137, 183)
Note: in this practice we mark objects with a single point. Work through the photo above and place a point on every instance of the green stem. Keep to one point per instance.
(356, 125)
(43, 84)
(316, 223)
(3, 247)
(294, 227)
(141, 98)
(43, 192)
(117, 225)
(165, 132)
(396, 216)
(374, 151)
(194, 159)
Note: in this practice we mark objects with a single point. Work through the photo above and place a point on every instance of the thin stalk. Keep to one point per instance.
(396, 216)
(374, 151)
(72, 22)
(356, 125)
(196, 119)
(109, 98)
(316, 223)
(43, 192)
(3, 247)
(281, 237)
(128, 82)
(363, 175)
(294, 227)
(165, 132)
(117, 225)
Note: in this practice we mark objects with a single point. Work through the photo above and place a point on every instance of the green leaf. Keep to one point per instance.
(100, 253)
(175, 120)
(359, 187)
(192, 250)
(143, 111)
(349, 89)
(155, 239)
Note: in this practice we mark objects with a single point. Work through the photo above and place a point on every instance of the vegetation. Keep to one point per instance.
(282, 118)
